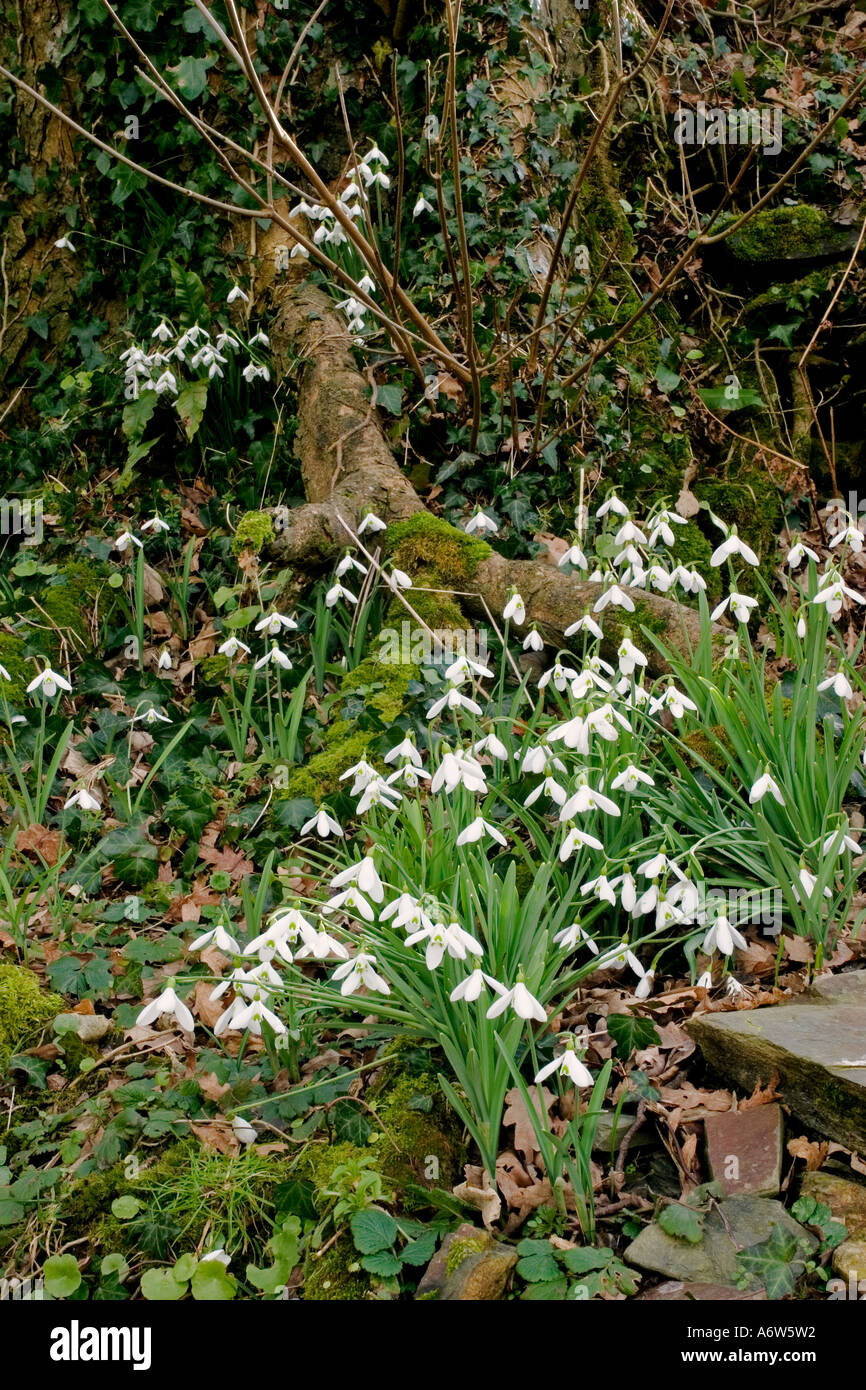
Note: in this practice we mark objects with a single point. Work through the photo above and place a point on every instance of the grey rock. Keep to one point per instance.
(733, 1225)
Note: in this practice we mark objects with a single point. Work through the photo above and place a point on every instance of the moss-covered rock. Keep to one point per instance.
(255, 531)
(798, 233)
(26, 1010)
(319, 778)
(434, 552)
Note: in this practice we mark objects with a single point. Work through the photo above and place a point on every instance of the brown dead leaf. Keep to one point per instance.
(799, 948)
(39, 840)
(84, 1007)
(204, 1007)
(812, 1151)
(476, 1192)
(762, 1095)
(212, 1089)
(689, 1097)
(518, 1115)
(218, 1136)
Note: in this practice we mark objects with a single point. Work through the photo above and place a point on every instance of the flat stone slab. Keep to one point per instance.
(675, 1291)
(733, 1225)
(816, 1044)
(744, 1149)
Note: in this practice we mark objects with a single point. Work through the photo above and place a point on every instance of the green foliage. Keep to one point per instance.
(25, 1009)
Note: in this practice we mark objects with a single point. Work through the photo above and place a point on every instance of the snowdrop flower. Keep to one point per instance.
(237, 293)
(567, 1064)
(360, 974)
(559, 674)
(82, 798)
(651, 868)
(587, 799)
(492, 745)
(320, 945)
(470, 989)
(675, 701)
(539, 759)
(367, 285)
(4, 674)
(253, 370)
(840, 685)
(801, 628)
(220, 938)
(616, 596)
(533, 641)
(659, 578)
(574, 838)
(374, 156)
(274, 623)
(798, 553)
(260, 340)
(552, 788)
(476, 829)
(569, 938)
(630, 779)
(627, 890)
(481, 522)
(168, 382)
(807, 882)
(629, 657)
(378, 793)
(405, 749)
(166, 1003)
(524, 1004)
(162, 332)
(463, 668)
(273, 941)
(585, 624)
(740, 604)
(515, 609)
(833, 841)
(323, 823)
(254, 1015)
(574, 556)
(64, 244)
(48, 683)
(353, 900)
(151, 716)
(371, 522)
(363, 774)
(733, 546)
(243, 1131)
(455, 769)
(398, 579)
(440, 939)
(275, 655)
(629, 534)
(347, 563)
(705, 981)
(372, 177)
(833, 597)
(125, 539)
(453, 700)
(163, 661)
(365, 875)
(421, 205)
(763, 785)
(853, 535)
(337, 592)
(723, 937)
(600, 888)
(645, 977)
(613, 504)
(231, 646)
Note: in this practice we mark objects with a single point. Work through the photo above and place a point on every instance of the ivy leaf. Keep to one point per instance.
(34, 1068)
(190, 75)
(390, 398)
(684, 1223)
(351, 1125)
(777, 1262)
(10, 1211)
(666, 379)
(631, 1033)
(373, 1231)
(715, 398)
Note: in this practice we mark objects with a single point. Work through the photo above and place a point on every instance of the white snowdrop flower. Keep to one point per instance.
(405, 749)
(360, 973)
(373, 177)
(323, 823)
(219, 937)
(492, 745)
(629, 657)
(150, 716)
(833, 596)
(365, 874)
(125, 539)
(320, 946)
(567, 1064)
(363, 774)
(559, 674)
(272, 624)
(533, 641)
(615, 596)
(854, 537)
(801, 628)
(48, 683)
(169, 1004)
(599, 888)
(299, 252)
(276, 656)
(4, 674)
(455, 770)
(515, 610)
(347, 563)
(613, 504)
(733, 545)
(254, 1015)
(378, 793)
(481, 522)
(740, 604)
(336, 592)
(569, 938)
(674, 700)
(228, 340)
(83, 799)
(585, 799)
(763, 785)
(840, 840)
(651, 868)
(260, 339)
(398, 579)
(585, 624)
(705, 981)
(628, 534)
(231, 646)
(798, 553)
(469, 989)
(524, 1004)
(625, 882)
(374, 156)
(422, 205)
(630, 779)
(252, 371)
(163, 661)
(162, 332)
(839, 684)
(574, 556)
(573, 839)
(371, 522)
(155, 524)
(724, 938)
(551, 788)
(658, 578)
(236, 293)
(64, 244)
(453, 699)
(645, 977)
(367, 285)
(808, 883)
(463, 668)
(353, 900)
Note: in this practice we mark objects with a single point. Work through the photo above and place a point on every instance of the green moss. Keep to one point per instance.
(20, 670)
(785, 233)
(255, 531)
(708, 746)
(420, 1135)
(72, 598)
(749, 502)
(694, 550)
(460, 1250)
(383, 685)
(434, 552)
(25, 1009)
(336, 1275)
(319, 778)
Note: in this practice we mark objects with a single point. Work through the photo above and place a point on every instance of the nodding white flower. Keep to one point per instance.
(569, 938)
(628, 534)
(645, 977)
(567, 1064)
(533, 641)
(363, 873)
(453, 700)
(378, 793)
(64, 244)
(421, 205)
(798, 553)
(166, 1003)
(353, 307)
(320, 945)
(228, 340)
(675, 701)
(661, 531)
(254, 370)
(125, 539)
(763, 785)
(492, 745)
(659, 578)
(347, 563)
(457, 768)
(733, 987)
(82, 798)
(231, 646)
(801, 628)
(627, 890)
(853, 535)
(156, 524)
(243, 1130)
(840, 685)
(407, 912)
(440, 938)
(651, 868)
(48, 683)
(367, 285)
(515, 609)
(476, 829)
(574, 556)
(733, 546)
(398, 579)
(539, 759)
(4, 674)
(705, 981)
(410, 775)
(375, 156)
(723, 937)
(276, 656)
(740, 604)
(337, 592)
(470, 988)
(372, 177)
(353, 900)
(151, 716)
(807, 882)
(323, 823)
(163, 661)
(168, 382)
(254, 1015)
(481, 522)
(574, 838)
(219, 937)
(833, 596)
(616, 596)
(464, 667)
(162, 332)
(272, 624)
(690, 580)
(363, 774)
(586, 798)
(236, 293)
(360, 974)
(613, 504)
(600, 888)
(404, 749)
(524, 1004)
(833, 841)
(585, 624)
(273, 941)
(559, 674)
(630, 779)
(260, 340)
(629, 656)
(371, 522)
